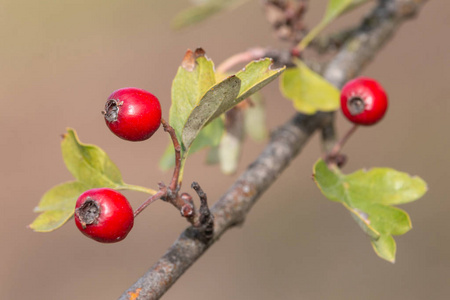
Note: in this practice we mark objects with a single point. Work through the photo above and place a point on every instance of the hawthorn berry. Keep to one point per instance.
(104, 215)
(363, 101)
(132, 114)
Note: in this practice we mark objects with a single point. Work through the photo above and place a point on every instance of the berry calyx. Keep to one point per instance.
(363, 101)
(132, 114)
(104, 215)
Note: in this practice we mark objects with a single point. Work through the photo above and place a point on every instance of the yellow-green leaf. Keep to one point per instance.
(223, 92)
(194, 78)
(197, 101)
(231, 144)
(256, 75)
(308, 91)
(368, 195)
(255, 118)
(209, 136)
(89, 164)
(57, 206)
(92, 168)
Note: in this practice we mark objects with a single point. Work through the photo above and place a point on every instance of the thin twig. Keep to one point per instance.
(174, 185)
(280, 58)
(243, 57)
(149, 201)
(338, 146)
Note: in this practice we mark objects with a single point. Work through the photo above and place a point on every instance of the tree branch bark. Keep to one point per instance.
(285, 144)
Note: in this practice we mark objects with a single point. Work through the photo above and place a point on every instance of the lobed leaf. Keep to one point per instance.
(225, 95)
(368, 196)
(309, 91)
(92, 168)
(89, 164)
(198, 102)
(254, 77)
(210, 104)
(57, 206)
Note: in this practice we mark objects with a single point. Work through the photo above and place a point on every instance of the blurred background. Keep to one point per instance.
(59, 62)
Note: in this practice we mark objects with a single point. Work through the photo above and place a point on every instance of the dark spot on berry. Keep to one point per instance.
(355, 105)
(111, 110)
(89, 212)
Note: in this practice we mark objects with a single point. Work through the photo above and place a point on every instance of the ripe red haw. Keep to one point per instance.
(132, 114)
(104, 215)
(363, 101)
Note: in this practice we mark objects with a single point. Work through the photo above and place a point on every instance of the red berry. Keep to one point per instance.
(132, 114)
(363, 101)
(104, 215)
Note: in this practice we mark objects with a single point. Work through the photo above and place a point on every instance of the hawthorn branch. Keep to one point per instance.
(285, 144)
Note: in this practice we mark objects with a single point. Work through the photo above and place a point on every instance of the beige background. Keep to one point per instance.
(59, 61)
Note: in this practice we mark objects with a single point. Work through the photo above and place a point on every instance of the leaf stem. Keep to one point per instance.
(338, 146)
(150, 200)
(137, 188)
(311, 35)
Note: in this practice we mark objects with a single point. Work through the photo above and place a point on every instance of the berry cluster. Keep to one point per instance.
(103, 214)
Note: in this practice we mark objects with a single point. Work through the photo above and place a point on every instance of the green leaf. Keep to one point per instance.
(197, 101)
(385, 247)
(309, 91)
(209, 136)
(92, 168)
(202, 11)
(212, 156)
(255, 119)
(254, 77)
(227, 94)
(334, 9)
(194, 78)
(337, 7)
(229, 153)
(223, 92)
(57, 206)
(368, 196)
(231, 144)
(89, 164)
